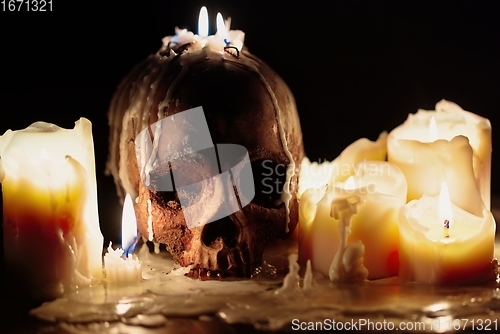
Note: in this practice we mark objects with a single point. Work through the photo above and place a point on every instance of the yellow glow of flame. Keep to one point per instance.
(203, 22)
(129, 223)
(445, 212)
(221, 27)
(121, 309)
(350, 184)
(433, 133)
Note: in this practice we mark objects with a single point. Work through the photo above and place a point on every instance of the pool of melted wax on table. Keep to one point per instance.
(166, 292)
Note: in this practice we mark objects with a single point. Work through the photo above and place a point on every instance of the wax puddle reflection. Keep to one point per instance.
(165, 292)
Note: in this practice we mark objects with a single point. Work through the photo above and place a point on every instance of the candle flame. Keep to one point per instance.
(350, 184)
(445, 213)
(129, 224)
(203, 22)
(433, 133)
(221, 28)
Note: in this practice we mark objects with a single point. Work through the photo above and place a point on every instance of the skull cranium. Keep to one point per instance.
(245, 103)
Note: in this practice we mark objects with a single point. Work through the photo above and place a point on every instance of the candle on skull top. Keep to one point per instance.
(121, 265)
(222, 30)
(224, 37)
(182, 36)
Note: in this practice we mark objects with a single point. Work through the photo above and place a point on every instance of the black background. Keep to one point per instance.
(356, 67)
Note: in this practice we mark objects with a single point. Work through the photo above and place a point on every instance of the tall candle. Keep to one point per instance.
(382, 188)
(457, 151)
(52, 238)
(441, 243)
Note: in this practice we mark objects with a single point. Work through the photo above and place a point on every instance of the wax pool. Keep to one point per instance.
(52, 238)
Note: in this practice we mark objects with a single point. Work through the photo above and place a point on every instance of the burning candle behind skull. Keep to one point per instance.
(245, 103)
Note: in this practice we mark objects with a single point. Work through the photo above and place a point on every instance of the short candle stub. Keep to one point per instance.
(446, 228)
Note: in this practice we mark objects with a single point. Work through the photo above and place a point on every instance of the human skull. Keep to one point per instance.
(245, 103)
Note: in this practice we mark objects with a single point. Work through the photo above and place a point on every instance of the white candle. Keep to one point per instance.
(182, 36)
(432, 253)
(461, 156)
(120, 268)
(52, 238)
(223, 38)
(382, 188)
(314, 175)
(348, 262)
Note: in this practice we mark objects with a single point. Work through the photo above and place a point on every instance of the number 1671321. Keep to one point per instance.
(26, 5)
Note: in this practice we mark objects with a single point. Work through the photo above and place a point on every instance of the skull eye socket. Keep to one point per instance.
(164, 197)
(269, 179)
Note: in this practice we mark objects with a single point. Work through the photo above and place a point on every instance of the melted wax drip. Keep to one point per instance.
(347, 265)
(263, 302)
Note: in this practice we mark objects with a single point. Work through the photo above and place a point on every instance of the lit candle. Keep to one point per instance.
(461, 155)
(52, 238)
(120, 264)
(222, 33)
(441, 243)
(223, 38)
(381, 188)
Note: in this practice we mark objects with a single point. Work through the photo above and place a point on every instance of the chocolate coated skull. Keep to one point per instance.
(246, 103)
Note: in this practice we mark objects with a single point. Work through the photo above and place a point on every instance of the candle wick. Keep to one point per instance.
(226, 41)
(446, 228)
(130, 249)
(230, 47)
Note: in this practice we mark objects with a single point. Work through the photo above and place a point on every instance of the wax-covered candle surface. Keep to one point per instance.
(457, 151)
(52, 238)
(316, 175)
(441, 243)
(381, 188)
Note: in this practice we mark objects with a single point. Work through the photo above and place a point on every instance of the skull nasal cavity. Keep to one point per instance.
(224, 229)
